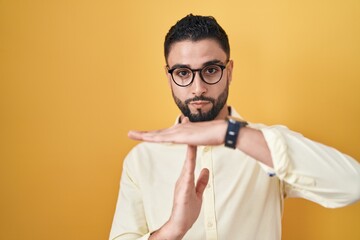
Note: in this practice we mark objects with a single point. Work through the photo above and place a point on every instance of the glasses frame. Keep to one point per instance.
(222, 67)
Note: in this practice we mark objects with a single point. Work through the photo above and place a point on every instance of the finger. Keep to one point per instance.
(202, 182)
(190, 161)
(136, 135)
(147, 135)
(185, 120)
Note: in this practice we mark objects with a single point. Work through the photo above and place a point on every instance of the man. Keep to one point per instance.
(235, 175)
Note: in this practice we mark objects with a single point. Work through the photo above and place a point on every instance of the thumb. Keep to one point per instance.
(202, 182)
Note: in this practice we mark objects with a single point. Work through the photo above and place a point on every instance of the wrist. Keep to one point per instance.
(168, 231)
(234, 127)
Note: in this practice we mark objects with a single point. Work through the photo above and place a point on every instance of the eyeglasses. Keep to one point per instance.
(184, 76)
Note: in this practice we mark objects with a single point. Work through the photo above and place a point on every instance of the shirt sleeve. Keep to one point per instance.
(129, 220)
(312, 170)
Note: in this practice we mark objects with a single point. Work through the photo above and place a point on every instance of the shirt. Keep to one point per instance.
(244, 198)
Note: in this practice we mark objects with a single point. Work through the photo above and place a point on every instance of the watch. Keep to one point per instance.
(232, 132)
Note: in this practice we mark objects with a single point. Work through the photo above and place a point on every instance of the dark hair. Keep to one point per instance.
(196, 28)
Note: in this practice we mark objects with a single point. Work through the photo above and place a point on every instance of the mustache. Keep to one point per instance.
(200, 98)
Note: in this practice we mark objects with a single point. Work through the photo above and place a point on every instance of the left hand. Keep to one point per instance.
(199, 133)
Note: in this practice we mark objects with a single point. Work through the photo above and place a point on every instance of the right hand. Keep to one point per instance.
(187, 200)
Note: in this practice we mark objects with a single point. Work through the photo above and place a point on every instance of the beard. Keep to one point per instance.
(200, 116)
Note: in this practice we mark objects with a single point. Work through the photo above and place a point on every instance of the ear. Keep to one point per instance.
(168, 75)
(229, 70)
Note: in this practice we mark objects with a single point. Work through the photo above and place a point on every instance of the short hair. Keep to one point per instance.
(195, 28)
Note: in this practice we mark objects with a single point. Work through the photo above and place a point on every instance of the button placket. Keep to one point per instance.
(209, 197)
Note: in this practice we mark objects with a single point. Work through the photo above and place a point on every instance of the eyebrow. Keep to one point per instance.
(215, 61)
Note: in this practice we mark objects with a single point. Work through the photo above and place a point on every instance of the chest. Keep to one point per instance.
(238, 188)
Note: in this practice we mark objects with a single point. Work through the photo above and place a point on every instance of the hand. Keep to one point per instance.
(188, 196)
(200, 133)
(187, 199)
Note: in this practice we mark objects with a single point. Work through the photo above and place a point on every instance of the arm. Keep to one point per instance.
(312, 170)
(309, 169)
(250, 141)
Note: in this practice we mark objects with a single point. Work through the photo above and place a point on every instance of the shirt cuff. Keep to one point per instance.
(145, 237)
(278, 150)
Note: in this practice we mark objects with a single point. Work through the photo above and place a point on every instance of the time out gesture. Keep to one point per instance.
(250, 141)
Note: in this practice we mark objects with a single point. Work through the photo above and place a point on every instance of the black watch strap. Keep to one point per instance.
(232, 132)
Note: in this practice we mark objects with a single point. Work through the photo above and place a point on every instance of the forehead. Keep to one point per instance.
(195, 53)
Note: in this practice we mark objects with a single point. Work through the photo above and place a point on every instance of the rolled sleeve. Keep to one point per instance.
(279, 152)
(312, 170)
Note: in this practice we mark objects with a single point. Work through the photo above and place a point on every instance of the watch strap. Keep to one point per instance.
(232, 132)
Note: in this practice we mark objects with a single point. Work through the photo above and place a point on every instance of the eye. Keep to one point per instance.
(211, 70)
(182, 73)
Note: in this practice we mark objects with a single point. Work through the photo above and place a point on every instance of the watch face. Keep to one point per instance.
(235, 119)
(242, 122)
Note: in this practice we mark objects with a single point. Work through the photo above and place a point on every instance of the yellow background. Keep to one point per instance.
(77, 75)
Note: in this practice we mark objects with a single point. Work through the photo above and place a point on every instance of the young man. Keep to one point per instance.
(212, 177)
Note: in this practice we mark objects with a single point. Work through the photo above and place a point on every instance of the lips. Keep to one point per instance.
(199, 104)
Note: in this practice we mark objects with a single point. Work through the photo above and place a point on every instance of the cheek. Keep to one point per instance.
(219, 89)
(179, 92)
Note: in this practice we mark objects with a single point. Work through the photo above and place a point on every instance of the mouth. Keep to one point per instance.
(199, 104)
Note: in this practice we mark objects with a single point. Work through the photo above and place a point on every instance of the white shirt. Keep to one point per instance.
(243, 199)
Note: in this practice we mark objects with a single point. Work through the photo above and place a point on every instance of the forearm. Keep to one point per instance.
(252, 142)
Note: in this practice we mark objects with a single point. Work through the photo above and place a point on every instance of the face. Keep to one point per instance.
(200, 101)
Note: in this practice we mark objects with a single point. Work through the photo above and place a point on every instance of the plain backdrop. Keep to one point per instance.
(76, 75)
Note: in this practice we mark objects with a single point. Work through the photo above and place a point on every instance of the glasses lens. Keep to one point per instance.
(212, 73)
(182, 76)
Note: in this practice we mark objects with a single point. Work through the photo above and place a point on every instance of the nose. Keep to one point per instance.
(198, 85)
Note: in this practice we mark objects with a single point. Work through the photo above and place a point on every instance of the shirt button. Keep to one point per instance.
(210, 224)
(206, 149)
(208, 186)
